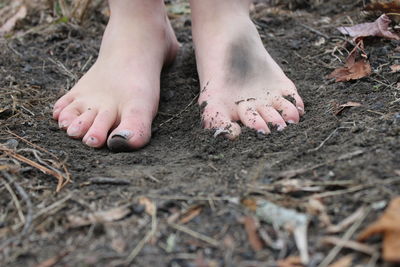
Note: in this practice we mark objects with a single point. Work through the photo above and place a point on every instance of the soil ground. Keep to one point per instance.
(344, 160)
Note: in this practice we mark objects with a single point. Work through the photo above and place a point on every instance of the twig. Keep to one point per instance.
(346, 222)
(349, 233)
(16, 201)
(142, 242)
(354, 188)
(315, 31)
(45, 210)
(180, 112)
(200, 198)
(194, 234)
(108, 180)
(29, 213)
(42, 168)
(30, 143)
(326, 139)
(63, 69)
(354, 245)
(151, 177)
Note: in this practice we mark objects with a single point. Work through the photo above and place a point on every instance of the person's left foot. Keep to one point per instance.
(239, 80)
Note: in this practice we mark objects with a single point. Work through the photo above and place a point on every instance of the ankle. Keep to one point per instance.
(137, 8)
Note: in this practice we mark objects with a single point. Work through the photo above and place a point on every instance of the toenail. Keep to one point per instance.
(63, 124)
(126, 134)
(300, 109)
(74, 131)
(91, 141)
(220, 131)
(290, 121)
(261, 131)
(280, 127)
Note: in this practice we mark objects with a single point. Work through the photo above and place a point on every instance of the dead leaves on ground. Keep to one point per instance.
(357, 65)
(378, 28)
(389, 226)
(390, 7)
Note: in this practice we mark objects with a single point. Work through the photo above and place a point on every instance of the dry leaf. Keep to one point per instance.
(111, 215)
(388, 225)
(345, 261)
(379, 28)
(291, 261)
(358, 70)
(353, 69)
(390, 7)
(395, 68)
(251, 228)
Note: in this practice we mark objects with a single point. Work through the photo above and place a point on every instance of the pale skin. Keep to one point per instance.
(115, 102)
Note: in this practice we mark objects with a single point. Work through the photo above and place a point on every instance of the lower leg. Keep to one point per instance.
(118, 97)
(243, 82)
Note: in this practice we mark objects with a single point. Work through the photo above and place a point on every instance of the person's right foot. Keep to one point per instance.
(118, 97)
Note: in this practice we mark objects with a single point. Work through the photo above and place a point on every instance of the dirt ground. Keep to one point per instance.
(343, 160)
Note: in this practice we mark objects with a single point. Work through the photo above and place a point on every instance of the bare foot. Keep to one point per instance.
(118, 97)
(239, 79)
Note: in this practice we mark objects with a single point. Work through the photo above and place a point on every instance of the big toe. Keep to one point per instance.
(133, 132)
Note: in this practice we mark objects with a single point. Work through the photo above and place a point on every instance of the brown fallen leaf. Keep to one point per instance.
(111, 215)
(345, 261)
(291, 261)
(395, 68)
(353, 69)
(389, 7)
(379, 28)
(389, 226)
(251, 227)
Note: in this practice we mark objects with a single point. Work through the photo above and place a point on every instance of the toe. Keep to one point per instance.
(270, 115)
(133, 132)
(97, 134)
(221, 122)
(68, 115)
(289, 112)
(297, 101)
(61, 104)
(252, 119)
(79, 126)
